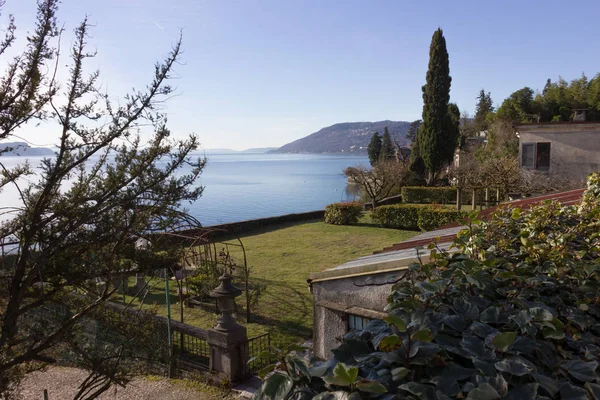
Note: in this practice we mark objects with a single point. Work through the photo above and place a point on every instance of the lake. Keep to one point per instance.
(248, 186)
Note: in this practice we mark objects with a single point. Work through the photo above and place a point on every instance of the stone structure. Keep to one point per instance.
(566, 149)
(350, 295)
(228, 340)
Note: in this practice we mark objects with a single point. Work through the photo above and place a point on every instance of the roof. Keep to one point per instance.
(557, 123)
(398, 256)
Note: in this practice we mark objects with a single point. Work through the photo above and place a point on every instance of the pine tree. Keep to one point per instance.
(388, 152)
(482, 110)
(437, 139)
(374, 149)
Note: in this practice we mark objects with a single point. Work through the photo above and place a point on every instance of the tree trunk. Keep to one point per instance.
(497, 195)
(474, 200)
(458, 198)
(487, 197)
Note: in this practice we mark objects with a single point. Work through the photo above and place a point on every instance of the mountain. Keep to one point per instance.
(347, 137)
(259, 150)
(23, 149)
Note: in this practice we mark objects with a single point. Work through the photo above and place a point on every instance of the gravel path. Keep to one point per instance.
(62, 384)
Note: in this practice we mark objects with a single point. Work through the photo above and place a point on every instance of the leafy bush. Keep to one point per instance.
(343, 213)
(398, 216)
(432, 218)
(514, 314)
(428, 195)
(413, 217)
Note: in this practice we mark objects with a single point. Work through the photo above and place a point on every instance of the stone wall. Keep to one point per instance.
(574, 149)
(336, 298)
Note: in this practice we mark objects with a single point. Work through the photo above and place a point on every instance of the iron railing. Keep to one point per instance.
(191, 346)
(253, 347)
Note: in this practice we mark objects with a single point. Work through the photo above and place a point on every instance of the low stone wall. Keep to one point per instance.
(249, 225)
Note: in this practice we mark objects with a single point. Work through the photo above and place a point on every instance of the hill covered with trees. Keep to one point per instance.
(347, 137)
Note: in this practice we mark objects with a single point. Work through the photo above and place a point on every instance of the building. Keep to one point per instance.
(564, 149)
(348, 296)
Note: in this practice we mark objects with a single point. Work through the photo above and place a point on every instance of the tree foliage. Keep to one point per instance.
(374, 149)
(380, 180)
(556, 102)
(437, 135)
(388, 150)
(483, 109)
(519, 107)
(116, 176)
(512, 314)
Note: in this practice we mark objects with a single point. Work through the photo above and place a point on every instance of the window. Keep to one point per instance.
(542, 159)
(535, 156)
(528, 155)
(357, 323)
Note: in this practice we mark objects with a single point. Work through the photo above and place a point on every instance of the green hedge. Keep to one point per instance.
(428, 195)
(432, 218)
(399, 216)
(414, 217)
(343, 213)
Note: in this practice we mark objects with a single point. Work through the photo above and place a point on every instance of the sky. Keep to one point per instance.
(257, 73)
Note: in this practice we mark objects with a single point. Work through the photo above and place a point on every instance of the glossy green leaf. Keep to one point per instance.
(515, 365)
(485, 391)
(390, 343)
(502, 341)
(344, 375)
(400, 373)
(275, 387)
(397, 322)
(421, 390)
(424, 335)
(368, 386)
(581, 370)
(266, 370)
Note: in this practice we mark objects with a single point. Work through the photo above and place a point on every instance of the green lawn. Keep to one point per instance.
(283, 257)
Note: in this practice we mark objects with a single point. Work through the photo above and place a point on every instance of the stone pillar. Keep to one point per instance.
(229, 352)
(121, 283)
(140, 282)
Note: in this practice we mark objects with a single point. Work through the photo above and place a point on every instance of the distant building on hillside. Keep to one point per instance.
(469, 145)
(566, 149)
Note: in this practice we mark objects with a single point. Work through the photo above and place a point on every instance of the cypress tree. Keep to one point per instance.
(483, 108)
(437, 140)
(374, 149)
(388, 152)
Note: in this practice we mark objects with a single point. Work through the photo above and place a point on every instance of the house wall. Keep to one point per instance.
(335, 298)
(574, 149)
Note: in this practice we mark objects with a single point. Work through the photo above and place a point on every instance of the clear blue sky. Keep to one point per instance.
(263, 73)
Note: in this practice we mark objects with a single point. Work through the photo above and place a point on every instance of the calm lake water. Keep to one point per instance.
(248, 186)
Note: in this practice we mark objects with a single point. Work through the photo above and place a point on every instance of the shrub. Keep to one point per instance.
(398, 216)
(428, 195)
(343, 213)
(514, 314)
(432, 218)
(414, 217)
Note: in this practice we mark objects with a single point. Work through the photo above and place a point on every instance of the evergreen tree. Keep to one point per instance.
(388, 152)
(417, 165)
(437, 139)
(413, 129)
(483, 109)
(374, 149)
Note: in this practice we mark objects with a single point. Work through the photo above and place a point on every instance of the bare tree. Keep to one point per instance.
(79, 215)
(378, 182)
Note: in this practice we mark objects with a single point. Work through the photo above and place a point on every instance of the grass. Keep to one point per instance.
(282, 258)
